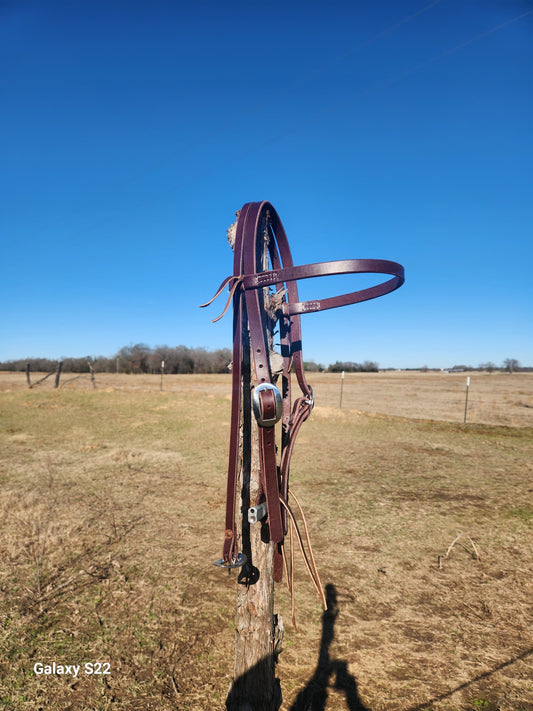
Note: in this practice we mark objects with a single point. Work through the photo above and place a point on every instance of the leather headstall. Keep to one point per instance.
(248, 285)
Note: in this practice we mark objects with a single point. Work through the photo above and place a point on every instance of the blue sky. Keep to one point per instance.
(131, 132)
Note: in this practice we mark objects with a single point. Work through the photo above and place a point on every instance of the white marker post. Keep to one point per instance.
(466, 398)
(342, 385)
(162, 371)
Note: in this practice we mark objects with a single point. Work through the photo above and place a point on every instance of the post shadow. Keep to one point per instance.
(247, 692)
(329, 673)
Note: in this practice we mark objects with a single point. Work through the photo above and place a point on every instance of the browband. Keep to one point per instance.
(344, 266)
(319, 269)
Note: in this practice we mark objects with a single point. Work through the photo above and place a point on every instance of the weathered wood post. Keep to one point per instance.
(342, 386)
(28, 378)
(91, 371)
(258, 631)
(466, 398)
(58, 373)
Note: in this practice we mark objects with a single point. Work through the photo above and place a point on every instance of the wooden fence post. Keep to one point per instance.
(258, 631)
(466, 398)
(58, 373)
(91, 370)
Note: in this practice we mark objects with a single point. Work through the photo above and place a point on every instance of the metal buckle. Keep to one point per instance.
(256, 402)
(235, 562)
(256, 513)
(310, 400)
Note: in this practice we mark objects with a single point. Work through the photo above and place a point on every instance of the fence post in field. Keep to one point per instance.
(342, 385)
(58, 373)
(258, 631)
(91, 370)
(28, 374)
(466, 397)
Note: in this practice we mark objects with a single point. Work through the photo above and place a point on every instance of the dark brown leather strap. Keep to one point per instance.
(246, 284)
(230, 550)
(346, 266)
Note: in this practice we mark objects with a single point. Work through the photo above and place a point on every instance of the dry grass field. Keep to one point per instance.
(112, 511)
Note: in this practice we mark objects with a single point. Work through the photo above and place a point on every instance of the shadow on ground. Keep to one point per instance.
(329, 674)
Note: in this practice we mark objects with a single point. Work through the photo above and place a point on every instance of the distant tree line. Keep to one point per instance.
(368, 366)
(138, 358)
(141, 358)
(509, 365)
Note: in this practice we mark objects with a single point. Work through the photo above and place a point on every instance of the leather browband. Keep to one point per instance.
(248, 312)
(345, 266)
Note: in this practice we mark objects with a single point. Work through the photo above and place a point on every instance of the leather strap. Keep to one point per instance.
(346, 266)
(246, 285)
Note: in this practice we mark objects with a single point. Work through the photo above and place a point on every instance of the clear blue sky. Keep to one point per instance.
(132, 131)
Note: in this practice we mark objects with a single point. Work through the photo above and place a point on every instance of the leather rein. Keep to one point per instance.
(249, 287)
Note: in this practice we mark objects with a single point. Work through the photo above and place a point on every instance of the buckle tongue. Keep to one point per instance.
(256, 403)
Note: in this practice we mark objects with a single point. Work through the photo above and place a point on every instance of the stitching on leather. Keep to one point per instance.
(311, 305)
(271, 276)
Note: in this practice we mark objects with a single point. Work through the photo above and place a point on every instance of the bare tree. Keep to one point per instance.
(510, 365)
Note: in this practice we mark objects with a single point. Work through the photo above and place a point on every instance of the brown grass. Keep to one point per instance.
(112, 506)
(496, 399)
